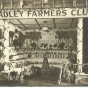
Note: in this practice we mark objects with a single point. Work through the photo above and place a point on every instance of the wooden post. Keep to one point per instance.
(11, 3)
(86, 3)
(21, 3)
(42, 3)
(1, 4)
(53, 3)
(64, 3)
(59, 80)
(34, 7)
(80, 42)
(6, 44)
(74, 3)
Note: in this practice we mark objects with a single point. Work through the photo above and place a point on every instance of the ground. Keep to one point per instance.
(36, 81)
(33, 83)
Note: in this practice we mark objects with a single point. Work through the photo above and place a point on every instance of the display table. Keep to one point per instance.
(5, 75)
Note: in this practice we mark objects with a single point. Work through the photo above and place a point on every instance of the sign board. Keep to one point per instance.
(44, 13)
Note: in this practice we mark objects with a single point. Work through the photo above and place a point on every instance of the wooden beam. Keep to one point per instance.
(54, 23)
(38, 23)
(72, 22)
(22, 23)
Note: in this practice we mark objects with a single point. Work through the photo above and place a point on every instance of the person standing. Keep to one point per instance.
(21, 77)
(16, 39)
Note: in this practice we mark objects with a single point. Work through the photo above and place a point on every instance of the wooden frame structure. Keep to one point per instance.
(13, 4)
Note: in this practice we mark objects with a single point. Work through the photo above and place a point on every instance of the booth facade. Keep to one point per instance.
(10, 56)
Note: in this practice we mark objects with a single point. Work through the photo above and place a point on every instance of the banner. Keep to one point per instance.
(44, 13)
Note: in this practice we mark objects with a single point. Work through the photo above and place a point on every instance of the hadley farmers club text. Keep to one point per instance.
(42, 13)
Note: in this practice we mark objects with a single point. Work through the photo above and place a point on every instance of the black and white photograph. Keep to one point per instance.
(43, 43)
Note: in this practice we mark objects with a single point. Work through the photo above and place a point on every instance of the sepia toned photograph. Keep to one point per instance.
(43, 43)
